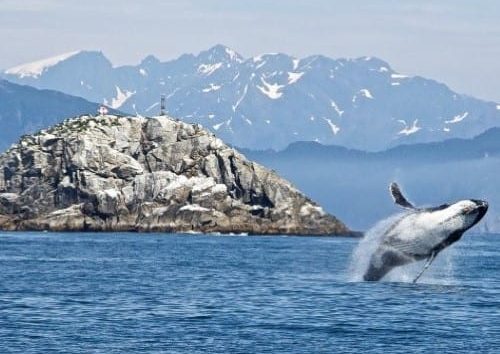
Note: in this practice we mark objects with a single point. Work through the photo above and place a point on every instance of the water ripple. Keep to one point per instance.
(116, 293)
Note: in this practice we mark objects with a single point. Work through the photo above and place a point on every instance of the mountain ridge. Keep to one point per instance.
(482, 145)
(271, 100)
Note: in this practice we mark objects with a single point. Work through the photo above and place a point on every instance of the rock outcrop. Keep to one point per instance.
(112, 173)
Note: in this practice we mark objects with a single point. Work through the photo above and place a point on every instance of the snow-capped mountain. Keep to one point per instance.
(24, 110)
(272, 100)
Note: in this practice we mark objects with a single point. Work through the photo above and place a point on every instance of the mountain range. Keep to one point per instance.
(273, 100)
(25, 109)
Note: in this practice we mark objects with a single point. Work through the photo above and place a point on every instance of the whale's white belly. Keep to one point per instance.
(418, 233)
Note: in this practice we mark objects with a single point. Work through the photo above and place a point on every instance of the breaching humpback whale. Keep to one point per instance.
(422, 233)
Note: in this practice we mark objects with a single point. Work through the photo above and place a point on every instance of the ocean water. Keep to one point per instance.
(120, 293)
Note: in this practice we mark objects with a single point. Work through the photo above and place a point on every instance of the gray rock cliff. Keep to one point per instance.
(112, 173)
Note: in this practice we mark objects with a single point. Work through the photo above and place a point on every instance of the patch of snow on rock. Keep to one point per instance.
(212, 87)
(335, 129)
(208, 69)
(152, 106)
(399, 76)
(36, 68)
(336, 108)
(217, 126)
(257, 58)
(458, 118)
(270, 90)
(233, 55)
(294, 77)
(366, 93)
(408, 130)
(120, 99)
(240, 99)
(363, 93)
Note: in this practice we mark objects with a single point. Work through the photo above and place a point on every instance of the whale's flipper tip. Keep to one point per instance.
(398, 197)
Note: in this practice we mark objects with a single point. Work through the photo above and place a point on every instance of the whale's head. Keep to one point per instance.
(463, 214)
(473, 211)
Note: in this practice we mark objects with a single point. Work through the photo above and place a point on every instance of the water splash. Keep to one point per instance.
(361, 255)
(440, 272)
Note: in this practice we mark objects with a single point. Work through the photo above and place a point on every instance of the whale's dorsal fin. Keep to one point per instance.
(398, 197)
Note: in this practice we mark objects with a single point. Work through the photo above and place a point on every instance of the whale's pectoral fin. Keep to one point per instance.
(427, 264)
(398, 197)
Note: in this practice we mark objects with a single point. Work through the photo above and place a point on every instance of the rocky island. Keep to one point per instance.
(113, 173)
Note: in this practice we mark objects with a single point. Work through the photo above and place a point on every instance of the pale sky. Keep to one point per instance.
(456, 42)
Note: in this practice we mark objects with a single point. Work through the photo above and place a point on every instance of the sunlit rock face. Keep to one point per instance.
(111, 173)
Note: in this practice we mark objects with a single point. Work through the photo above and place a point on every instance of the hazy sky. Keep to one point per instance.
(453, 41)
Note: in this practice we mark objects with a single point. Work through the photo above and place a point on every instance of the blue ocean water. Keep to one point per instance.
(119, 293)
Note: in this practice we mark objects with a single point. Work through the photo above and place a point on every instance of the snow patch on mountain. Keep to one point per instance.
(458, 118)
(233, 55)
(235, 106)
(120, 99)
(408, 130)
(36, 68)
(270, 90)
(208, 69)
(366, 93)
(294, 77)
(363, 93)
(335, 128)
(257, 58)
(212, 87)
(336, 108)
(217, 126)
(152, 106)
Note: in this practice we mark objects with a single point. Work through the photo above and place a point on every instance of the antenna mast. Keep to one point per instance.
(162, 105)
